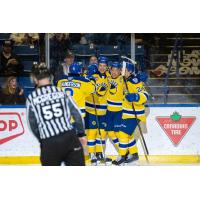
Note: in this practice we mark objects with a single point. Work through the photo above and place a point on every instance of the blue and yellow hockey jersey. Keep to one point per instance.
(135, 86)
(99, 98)
(78, 87)
(115, 94)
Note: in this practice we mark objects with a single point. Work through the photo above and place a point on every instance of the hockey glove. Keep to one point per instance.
(133, 97)
(142, 76)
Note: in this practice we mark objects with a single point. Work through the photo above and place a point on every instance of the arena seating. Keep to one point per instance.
(4, 36)
(182, 88)
(83, 53)
(113, 52)
(28, 65)
(28, 55)
(110, 51)
(24, 50)
(158, 56)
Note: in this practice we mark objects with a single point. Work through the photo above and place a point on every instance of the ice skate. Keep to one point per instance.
(93, 159)
(132, 159)
(120, 161)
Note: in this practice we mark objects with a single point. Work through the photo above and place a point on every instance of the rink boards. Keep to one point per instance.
(172, 135)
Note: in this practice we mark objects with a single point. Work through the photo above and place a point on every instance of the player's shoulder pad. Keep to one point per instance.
(81, 78)
(62, 77)
(134, 80)
(96, 74)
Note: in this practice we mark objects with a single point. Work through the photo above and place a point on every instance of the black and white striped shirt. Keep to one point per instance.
(49, 112)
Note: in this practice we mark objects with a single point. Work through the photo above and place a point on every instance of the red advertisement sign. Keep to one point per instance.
(176, 126)
(11, 126)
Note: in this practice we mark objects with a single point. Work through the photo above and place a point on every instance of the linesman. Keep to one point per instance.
(49, 113)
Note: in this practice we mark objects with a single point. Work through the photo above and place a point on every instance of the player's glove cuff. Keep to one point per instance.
(81, 134)
(133, 97)
(142, 76)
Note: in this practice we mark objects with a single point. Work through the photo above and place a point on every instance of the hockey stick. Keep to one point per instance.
(146, 84)
(98, 125)
(146, 151)
(129, 59)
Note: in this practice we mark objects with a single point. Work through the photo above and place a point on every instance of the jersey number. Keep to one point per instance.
(52, 111)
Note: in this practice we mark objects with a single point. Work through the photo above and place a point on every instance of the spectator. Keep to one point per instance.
(90, 37)
(63, 69)
(10, 64)
(12, 94)
(93, 60)
(59, 44)
(83, 39)
(25, 38)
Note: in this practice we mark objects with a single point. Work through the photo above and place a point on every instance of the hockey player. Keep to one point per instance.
(114, 102)
(136, 96)
(96, 105)
(76, 86)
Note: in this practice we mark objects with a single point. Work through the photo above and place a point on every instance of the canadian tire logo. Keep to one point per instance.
(11, 126)
(176, 126)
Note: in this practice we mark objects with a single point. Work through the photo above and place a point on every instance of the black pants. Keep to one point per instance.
(63, 148)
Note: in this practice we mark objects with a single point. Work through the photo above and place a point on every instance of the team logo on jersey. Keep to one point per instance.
(11, 126)
(176, 126)
(94, 123)
(101, 85)
(113, 87)
(101, 89)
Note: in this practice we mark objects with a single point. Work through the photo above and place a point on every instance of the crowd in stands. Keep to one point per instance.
(10, 63)
(12, 67)
(62, 43)
(61, 57)
(24, 38)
